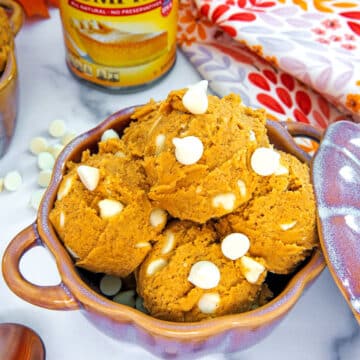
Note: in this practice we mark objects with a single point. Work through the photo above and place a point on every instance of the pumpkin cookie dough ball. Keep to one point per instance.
(103, 215)
(281, 224)
(6, 39)
(186, 276)
(197, 164)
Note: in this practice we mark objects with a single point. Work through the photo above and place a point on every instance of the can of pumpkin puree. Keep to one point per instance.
(119, 44)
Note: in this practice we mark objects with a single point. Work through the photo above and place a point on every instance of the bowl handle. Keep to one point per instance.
(297, 129)
(17, 14)
(56, 297)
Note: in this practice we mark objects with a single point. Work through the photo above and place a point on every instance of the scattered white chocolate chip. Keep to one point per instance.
(251, 269)
(45, 161)
(159, 143)
(208, 303)
(38, 144)
(188, 150)
(142, 244)
(169, 243)
(12, 181)
(252, 136)
(125, 298)
(155, 266)
(204, 274)
(235, 245)
(158, 217)
(265, 161)
(109, 208)
(288, 226)
(89, 176)
(242, 187)
(139, 305)
(110, 285)
(227, 201)
(198, 189)
(62, 219)
(36, 198)
(64, 187)
(55, 150)
(1, 184)
(44, 178)
(281, 170)
(67, 138)
(195, 99)
(57, 128)
(109, 134)
(72, 253)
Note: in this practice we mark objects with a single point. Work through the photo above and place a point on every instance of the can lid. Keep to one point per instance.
(336, 179)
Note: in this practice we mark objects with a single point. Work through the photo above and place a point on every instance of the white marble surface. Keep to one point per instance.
(320, 326)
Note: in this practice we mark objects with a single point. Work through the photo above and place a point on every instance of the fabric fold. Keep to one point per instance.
(299, 60)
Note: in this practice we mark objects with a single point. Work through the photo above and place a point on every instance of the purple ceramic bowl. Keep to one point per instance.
(223, 334)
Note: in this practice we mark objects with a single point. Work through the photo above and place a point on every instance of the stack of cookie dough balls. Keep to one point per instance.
(195, 202)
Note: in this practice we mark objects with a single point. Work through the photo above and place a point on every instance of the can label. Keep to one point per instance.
(119, 43)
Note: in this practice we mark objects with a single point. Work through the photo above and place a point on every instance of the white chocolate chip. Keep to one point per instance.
(45, 161)
(252, 136)
(38, 144)
(265, 161)
(64, 187)
(55, 150)
(110, 285)
(142, 244)
(1, 184)
(158, 217)
(36, 198)
(204, 274)
(67, 138)
(109, 208)
(288, 226)
(125, 298)
(251, 269)
(235, 245)
(208, 303)
(160, 142)
(188, 150)
(57, 128)
(169, 243)
(72, 253)
(109, 134)
(139, 305)
(44, 178)
(155, 266)
(226, 201)
(12, 181)
(242, 187)
(120, 154)
(62, 219)
(89, 176)
(195, 99)
(281, 170)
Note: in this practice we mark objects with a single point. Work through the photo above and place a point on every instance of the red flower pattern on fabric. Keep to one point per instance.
(332, 24)
(291, 98)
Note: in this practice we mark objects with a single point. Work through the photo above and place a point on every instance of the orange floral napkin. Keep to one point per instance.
(37, 7)
(300, 60)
